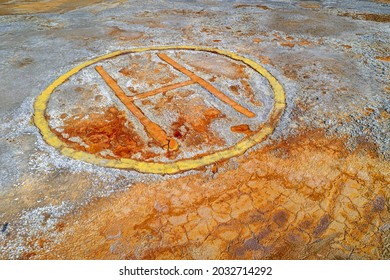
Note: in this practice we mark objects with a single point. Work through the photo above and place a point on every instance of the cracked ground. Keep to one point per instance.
(183, 146)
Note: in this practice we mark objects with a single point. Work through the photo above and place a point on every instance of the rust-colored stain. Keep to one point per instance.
(100, 132)
(291, 42)
(311, 5)
(207, 86)
(263, 7)
(192, 125)
(194, 129)
(369, 17)
(24, 62)
(125, 35)
(330, 203)
(34, 7)
(241, 128)
(151, 128)
(287, 44)
(301, 43)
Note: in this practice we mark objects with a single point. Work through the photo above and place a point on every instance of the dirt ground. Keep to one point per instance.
(195, 129)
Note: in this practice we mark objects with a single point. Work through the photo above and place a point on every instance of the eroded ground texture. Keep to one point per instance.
(230, 165)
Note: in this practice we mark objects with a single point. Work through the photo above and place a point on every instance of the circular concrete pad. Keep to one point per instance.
(143, 142)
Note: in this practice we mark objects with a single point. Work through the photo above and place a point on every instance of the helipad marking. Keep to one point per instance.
(161, 90)
(159, 167)
(152, 129)
(207, 86)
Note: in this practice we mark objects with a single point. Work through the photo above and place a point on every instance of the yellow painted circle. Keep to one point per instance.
(159, 167)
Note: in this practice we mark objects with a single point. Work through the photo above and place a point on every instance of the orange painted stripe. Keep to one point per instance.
(161, 90)
(384, 58)
(151, 128)
(207, 86)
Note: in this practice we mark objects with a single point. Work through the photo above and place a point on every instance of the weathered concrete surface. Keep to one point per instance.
(316, 188)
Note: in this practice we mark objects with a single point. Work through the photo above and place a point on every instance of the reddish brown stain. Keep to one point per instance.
(263, 7)
(290, 72)
(177, 134)
(212, 79)
(291, 42)
(179, 128)
(310, 5)
(287, 44)
(280, 218)
(246, 89)
(322, 225)
(248, 92)
(115, 30)
(304, 43)
(264, 59)
(379, 204)
(194, 118)
(194, 128)
(99, 132)
(235, 89)
(242, 128)
(125, 35)
(369, 17)
(264, 234)
(24, 62)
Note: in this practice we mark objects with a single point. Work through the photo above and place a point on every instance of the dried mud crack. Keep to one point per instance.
(307, 197)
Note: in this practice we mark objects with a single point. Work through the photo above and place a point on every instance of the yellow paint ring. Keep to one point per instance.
(159, 167)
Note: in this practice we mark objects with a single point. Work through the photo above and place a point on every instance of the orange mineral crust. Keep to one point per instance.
(307, 197)
(100, 132)
(29, 7)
